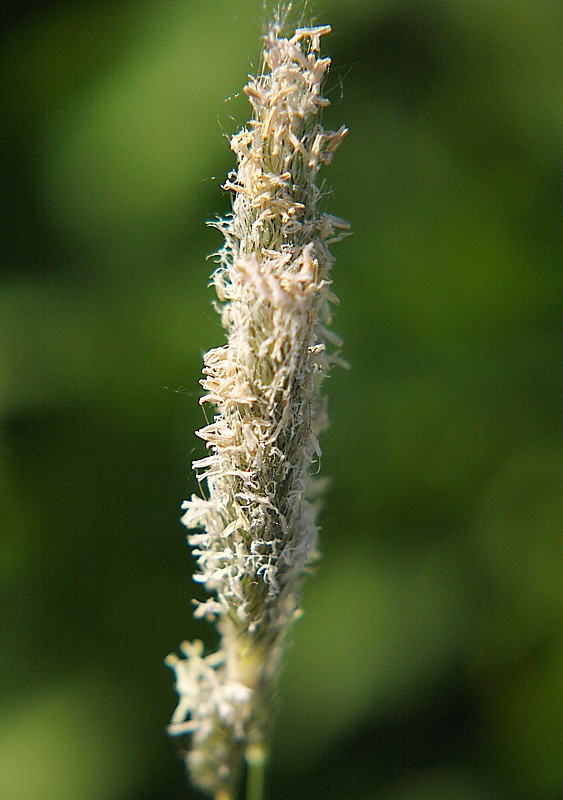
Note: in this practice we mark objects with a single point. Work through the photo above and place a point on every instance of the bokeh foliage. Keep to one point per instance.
(429, 661)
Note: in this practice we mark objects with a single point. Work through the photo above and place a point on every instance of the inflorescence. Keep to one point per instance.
(256, 531)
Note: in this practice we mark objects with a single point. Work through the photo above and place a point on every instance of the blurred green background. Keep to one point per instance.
(429, 662)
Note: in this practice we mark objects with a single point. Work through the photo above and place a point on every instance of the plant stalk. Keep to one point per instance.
(256, 758)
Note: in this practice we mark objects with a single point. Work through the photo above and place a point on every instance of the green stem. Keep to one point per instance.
(256, 757)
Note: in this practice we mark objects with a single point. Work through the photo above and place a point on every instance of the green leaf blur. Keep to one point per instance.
(429, 661)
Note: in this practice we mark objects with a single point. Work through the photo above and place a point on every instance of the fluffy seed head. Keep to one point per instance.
(256, 530)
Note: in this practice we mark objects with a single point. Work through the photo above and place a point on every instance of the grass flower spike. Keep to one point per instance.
(256, 531)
